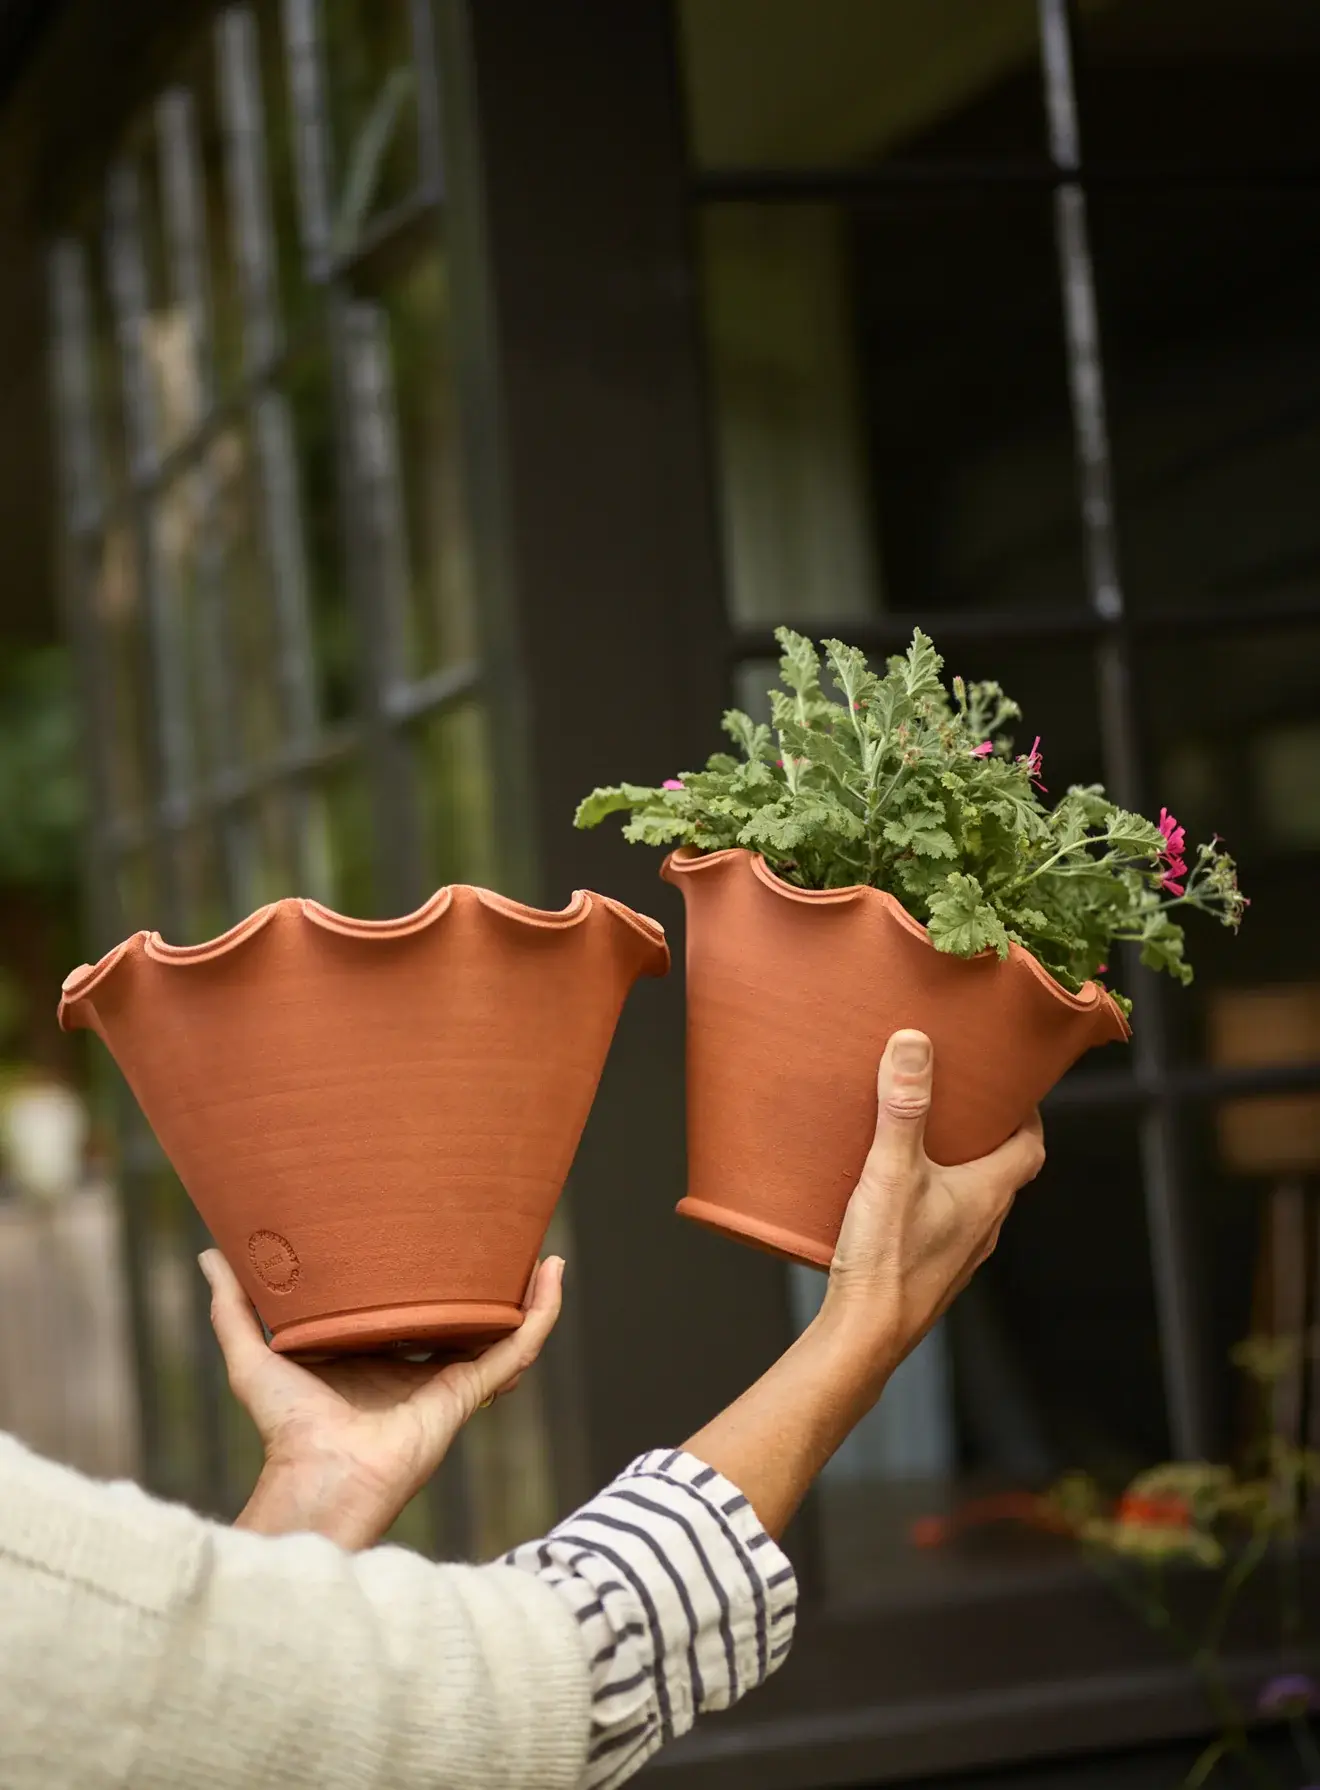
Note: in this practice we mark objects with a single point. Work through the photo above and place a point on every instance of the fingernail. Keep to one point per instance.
(204, 1263)
(911, 1052)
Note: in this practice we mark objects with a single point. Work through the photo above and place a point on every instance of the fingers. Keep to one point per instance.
(903, 1087)
(1011, 1166)
(236, 1325)
(499, 1368)
(504, 1364)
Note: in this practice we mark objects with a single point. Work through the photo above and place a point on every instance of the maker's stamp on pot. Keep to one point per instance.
(274, 1261)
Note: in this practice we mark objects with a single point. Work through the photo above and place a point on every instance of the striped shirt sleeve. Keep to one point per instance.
(684, 1604)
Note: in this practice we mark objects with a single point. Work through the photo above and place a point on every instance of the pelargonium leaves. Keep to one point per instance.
(962, 922)
(894, 783)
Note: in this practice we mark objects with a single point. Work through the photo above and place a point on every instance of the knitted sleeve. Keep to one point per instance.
(142, 1648)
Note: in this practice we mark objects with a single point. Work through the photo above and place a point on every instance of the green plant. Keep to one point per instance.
(1219, 1521)
(910, 788)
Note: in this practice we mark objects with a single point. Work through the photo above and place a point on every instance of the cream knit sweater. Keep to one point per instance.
(143, 1648)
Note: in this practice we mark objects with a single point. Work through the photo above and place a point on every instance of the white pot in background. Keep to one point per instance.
(43, 1132)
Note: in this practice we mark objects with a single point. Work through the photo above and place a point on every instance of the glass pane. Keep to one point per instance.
(406, 411)
(507, 1458)
(892, 412)
(212, 586)
(278, 867)
(110, 423)
(1207, 307)
(277, 847)
(790, 413)
(1195, 80)
(200, 869)
(1056, 689)
(373, 104)
(807, 82)
(170, 1265)
(347, 801)
(1251, 1165)
(1044, 1366)
(200, 270)
(248, 635)
(116, 601)
(458, 817)
(303, 495)
(139, 901)
(158, 333)
(1242, 760)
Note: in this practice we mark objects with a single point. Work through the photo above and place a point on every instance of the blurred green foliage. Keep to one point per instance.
(41, 794)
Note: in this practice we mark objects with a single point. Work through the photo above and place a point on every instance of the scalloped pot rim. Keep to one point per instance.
(81, 982)
(688, 859)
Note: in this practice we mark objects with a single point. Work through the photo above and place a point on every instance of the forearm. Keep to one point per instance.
(773, 1441)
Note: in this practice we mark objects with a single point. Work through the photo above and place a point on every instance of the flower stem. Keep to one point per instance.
(1243, 1567)
(1154, 1609)
(1205, 1762)
(1307, 1751)
(1064, 851)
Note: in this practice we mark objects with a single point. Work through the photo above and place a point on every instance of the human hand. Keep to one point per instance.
(350, 1441)
(915, 1233)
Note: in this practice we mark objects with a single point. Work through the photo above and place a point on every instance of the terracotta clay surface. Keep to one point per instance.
(791, 996)
(374, 1118)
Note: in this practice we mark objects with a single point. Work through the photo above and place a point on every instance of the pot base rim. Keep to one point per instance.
(775, 1239)
(394, 1327)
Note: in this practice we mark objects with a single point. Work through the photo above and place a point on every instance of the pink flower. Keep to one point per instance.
(1101, 968)
(1175, 837)
(672, 783)
(984, 749)
(1175, 844)
(1034, 766)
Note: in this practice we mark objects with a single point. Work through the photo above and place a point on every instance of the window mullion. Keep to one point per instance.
(1184, 1344)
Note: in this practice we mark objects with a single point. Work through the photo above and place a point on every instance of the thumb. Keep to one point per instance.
(236, 1326)
(903, 1088)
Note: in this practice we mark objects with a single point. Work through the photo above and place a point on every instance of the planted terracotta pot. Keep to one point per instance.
(375, 1119)
(791, 996)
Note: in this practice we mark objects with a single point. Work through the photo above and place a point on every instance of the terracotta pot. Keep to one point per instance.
(374, 1118)
(791, 996)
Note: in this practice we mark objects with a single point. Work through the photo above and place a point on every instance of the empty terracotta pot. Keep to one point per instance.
(791, 997)
(375, 1119)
